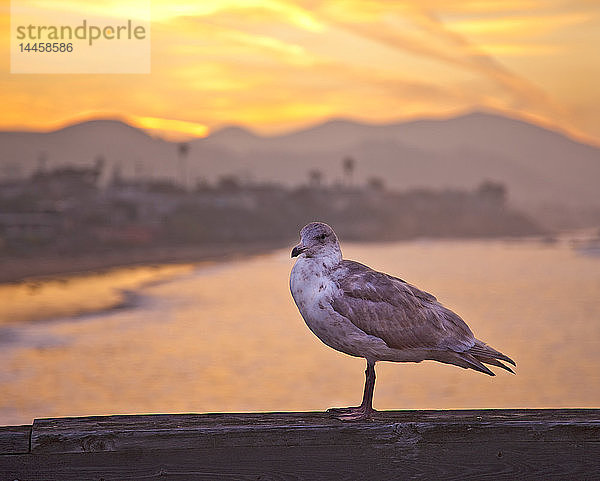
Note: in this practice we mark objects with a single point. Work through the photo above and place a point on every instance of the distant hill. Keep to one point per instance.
(539, 166)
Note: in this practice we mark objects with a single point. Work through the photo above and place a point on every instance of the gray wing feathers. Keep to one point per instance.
(403, 316)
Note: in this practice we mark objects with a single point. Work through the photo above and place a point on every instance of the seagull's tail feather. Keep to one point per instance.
(462, 359)
(474, 363)
(476, 357)
(481, 349)
(494, 362)
(488, 355)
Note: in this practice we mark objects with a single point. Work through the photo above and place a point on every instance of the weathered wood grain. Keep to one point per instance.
(482, 444)
(462, 461)
(191, 431)
(14, 439)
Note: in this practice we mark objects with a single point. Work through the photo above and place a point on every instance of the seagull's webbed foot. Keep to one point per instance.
(336, 411)
(365, 410)
(355, 413)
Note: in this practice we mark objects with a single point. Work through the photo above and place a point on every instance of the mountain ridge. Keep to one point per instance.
(539, 165)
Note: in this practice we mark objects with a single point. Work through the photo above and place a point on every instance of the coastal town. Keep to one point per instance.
(67, 210)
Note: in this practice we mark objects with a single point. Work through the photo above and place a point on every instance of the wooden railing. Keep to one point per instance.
(562, 444)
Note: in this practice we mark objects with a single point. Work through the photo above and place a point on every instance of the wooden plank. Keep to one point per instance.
(451, 461)
(461, 445)
(14, 439)
(193, 431)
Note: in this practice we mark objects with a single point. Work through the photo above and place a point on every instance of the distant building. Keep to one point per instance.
(32, 226)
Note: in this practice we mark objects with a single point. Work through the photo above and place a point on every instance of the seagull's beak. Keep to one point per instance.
(299, 249)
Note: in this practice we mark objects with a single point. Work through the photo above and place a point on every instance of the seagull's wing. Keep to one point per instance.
(403, 316)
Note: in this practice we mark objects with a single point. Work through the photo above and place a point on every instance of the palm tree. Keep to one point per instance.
(315, 177)
(348, 165)
(183, 149)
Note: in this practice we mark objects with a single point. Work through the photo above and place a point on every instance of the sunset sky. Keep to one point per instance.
(275, 65)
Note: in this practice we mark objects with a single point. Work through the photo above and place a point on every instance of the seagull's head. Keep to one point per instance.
(318, 240)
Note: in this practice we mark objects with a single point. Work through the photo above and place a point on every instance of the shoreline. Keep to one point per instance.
(41, 290)
(25, 269)
(73, 296)
(16, 270)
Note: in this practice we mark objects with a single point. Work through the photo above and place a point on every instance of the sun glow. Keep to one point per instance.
(169, 128)
(274, 64)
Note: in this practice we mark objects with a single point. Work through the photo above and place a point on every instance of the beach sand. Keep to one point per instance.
(39, 288)
(72, 295)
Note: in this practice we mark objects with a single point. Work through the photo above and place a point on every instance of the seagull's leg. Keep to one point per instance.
(366, 406)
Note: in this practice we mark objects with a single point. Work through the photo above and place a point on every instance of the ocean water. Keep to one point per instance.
(228, 337)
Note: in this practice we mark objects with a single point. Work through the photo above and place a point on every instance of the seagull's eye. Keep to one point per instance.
(322, 236)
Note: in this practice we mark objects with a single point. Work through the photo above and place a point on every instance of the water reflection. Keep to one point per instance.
(228, 337)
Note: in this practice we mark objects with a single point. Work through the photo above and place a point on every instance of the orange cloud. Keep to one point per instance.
(296, 15)
(276, 64)
(518, 49)
(530, 25)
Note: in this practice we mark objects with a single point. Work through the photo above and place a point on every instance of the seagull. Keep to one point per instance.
(365, 313)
